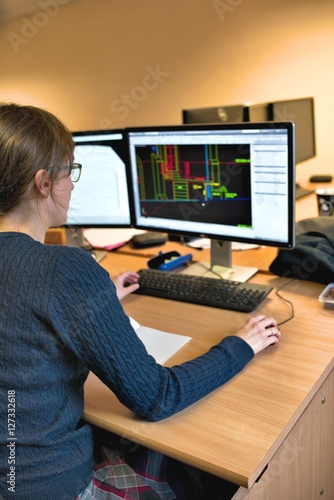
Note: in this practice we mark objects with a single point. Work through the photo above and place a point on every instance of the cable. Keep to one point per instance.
(286, 301)
(283, 299)
(208, 269)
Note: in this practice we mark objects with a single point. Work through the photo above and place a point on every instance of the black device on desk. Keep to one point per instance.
(148, 239)
(228, 182)
(321, 178)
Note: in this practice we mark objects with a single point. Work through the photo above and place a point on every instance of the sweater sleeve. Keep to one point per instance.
(88, 319)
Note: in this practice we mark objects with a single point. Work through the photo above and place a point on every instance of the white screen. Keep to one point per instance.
(100, 197)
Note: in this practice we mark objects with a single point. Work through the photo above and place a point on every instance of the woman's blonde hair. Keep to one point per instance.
(30, 139)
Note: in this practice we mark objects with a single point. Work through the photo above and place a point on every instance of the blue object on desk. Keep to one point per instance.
(169, 261)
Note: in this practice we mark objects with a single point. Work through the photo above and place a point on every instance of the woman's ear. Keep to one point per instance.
(43, 182)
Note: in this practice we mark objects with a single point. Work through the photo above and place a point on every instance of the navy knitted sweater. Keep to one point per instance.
(59, 319)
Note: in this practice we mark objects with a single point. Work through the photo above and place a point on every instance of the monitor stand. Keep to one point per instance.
(221, 264)
(75, 238)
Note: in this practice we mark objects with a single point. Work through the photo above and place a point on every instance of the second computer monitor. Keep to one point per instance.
(301, 112)
(100, 198)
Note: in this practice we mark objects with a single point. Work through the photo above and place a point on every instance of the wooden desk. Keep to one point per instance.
(270, 429)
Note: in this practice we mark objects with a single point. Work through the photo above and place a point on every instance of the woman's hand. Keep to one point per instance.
(260, 332)
(126, 283)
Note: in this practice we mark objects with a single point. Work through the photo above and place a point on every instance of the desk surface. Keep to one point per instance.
(234, 431)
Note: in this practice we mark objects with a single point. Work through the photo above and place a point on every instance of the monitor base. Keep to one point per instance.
(234, 273)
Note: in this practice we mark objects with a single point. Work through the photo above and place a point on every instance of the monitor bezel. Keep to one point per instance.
(289, 126)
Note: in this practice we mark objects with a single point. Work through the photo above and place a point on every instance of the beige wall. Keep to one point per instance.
(115, 63)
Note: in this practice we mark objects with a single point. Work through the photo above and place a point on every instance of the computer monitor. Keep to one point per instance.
(231, 182)
(301, 112)
(100, 198)
(220, 114)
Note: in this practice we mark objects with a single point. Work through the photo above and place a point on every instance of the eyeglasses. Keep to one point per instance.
(74, 171)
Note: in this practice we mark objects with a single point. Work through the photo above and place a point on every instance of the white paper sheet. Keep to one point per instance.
(161, 345)
(109, 238)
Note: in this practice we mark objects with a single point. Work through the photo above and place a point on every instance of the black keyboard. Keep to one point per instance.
(226, 294)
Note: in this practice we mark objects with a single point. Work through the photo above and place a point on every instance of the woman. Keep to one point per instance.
(60, 317)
